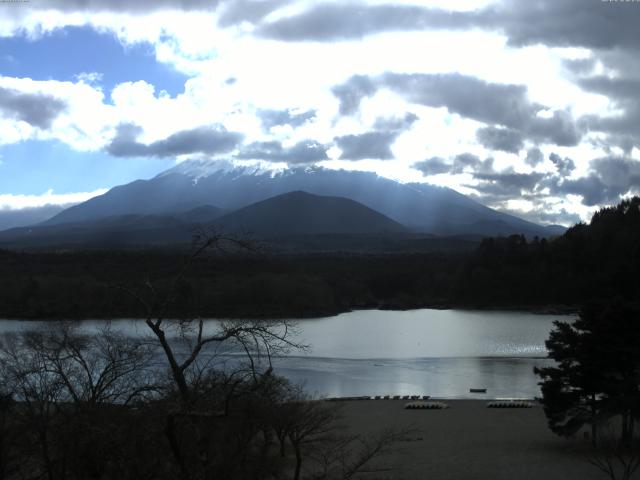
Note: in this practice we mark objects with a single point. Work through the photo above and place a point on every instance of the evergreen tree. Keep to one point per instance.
(597, 371)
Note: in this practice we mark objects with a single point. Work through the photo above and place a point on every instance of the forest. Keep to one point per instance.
(598, 260)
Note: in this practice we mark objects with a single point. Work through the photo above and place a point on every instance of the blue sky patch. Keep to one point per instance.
(33, 167)
(65, 53)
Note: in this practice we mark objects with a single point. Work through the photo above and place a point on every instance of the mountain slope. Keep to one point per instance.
(204, 214)
(288, 215)
(191, 184)
(301, 213)
(108, 232)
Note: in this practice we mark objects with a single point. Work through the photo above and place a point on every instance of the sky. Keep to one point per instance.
(531, 108)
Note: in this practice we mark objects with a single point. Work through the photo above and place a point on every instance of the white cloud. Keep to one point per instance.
(17, 202)
(285, 75)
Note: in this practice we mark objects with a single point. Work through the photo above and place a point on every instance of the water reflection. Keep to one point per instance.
(442, 353)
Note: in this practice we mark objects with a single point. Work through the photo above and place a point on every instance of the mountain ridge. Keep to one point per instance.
(191, 184)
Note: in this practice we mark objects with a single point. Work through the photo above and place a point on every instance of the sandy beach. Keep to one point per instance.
(469, 441)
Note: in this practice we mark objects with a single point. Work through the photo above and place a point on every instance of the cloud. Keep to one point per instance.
(273, 118)
(503, 139)
(580, 66)
(570, 23)
(618, 171)
(395, 123)
(349, 21)
(305, 151)
(467, 96)
(432, 166)
(464, 162)
(618, 88)
(534, 157)
(609, 180)
(351, 93)
(501, 104)
(208, 140)
(17, 202)
(590, 188)
(542, 215)
(37, 109)
(253, 11)
(507, 184)
(593, 24)
(623, 92)
(559, 129)
(123, 6)
(564, 166)
(374, 145)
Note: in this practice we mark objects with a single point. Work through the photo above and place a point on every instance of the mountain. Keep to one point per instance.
(191, 184)
(28, 216)
(293, 216)
(302, 213)
(204, 214)
(109, 232)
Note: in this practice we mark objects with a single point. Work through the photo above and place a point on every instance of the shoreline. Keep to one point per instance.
(564, 310)
(469, 441)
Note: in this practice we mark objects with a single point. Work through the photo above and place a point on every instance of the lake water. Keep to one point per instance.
(442, 353)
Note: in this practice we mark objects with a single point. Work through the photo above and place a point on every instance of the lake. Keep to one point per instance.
(442, 353)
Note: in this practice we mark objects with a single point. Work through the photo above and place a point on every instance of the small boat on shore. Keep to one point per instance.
(477, 390)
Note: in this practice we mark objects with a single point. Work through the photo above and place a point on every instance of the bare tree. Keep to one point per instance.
(67, 385)
(27, 376)
(256, 339)
(107, 367)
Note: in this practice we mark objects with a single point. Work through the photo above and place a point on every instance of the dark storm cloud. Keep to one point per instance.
(432, 166)
(534, 157)
(306, 151)
(506, 105)
(206, 140)
(564, 166)
(376, 145)
(503, 139)
(38, 110)
(587, 23)
(273, 118)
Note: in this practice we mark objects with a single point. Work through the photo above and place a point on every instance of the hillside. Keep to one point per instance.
(301, 213)
(421, 207)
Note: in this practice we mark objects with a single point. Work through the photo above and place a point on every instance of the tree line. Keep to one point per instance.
(595, 260)
(189, 401)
